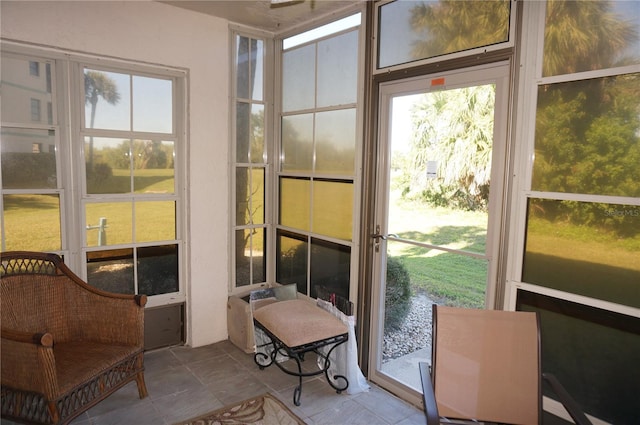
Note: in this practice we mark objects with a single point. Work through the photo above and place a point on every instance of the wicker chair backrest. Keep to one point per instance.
(37, 303)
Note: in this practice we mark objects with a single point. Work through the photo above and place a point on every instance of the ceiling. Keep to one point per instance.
(269, 15)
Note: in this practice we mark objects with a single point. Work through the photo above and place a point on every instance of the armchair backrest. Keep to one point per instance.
(36, 303)
(486, 365)
(39, 293)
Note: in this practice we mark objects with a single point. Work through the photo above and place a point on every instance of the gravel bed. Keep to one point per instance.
(415, 332)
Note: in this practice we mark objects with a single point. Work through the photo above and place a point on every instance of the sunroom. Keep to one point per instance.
(486, 150)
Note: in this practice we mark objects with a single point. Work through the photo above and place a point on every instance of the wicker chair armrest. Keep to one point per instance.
(28, 362)
(44, 339)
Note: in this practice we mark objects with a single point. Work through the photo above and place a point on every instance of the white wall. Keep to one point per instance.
(154, 32)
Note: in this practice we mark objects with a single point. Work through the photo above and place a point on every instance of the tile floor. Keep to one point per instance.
(185, 382)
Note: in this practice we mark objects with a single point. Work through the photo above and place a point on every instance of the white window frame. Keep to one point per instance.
(267, 102)
(68, 116)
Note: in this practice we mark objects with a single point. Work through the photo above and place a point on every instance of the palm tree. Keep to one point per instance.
(583, 36)
(98, 84)
(455, 129)
(579, 36)
(452, 26)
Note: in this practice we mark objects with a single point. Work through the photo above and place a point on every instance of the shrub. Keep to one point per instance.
(397, 295)
(28, 170)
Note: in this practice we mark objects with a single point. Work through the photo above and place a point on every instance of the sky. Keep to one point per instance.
(150, 99)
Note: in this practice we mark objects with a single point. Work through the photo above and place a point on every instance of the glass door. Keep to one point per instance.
(438, 210)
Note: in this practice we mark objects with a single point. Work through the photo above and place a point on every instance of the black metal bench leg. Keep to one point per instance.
(330, 380)
(297, 353)
(297, 392)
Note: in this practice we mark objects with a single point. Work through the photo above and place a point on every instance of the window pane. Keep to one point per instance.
(250, 258)
(31, 222)
(295, 197)
(257, 195)
(34, 68)
(108, 223)
(297, 143)
(414, 30)
(111, 270)
(243, 131)
(330, 267)
(338, 70)
(28, 159)
(584, 248)
(257, 58)
(322, 31)
(258, 249)
(108, 165)
(588, 137)
(158, 269)
(258, 154)
(250, 133)
(243, 194)
(333, 208)
(243, 66)
(152, 105)
(588, 35)
(107, 100)
(249, 196)
(249, 75)
(291, 263)
(35, 110)
(21, 88)
(593, 353)
(243, 257)
(155, 221)
(336, 142)
(298, 78)
(153, 166)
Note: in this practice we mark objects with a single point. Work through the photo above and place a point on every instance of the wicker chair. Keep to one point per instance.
(65, 345)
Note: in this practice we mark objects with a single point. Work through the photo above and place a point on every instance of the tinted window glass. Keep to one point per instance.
(584, 248)
(588, 137)
(414, 30)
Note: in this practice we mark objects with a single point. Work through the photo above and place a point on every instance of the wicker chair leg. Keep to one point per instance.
(142, 387)
(53, 411)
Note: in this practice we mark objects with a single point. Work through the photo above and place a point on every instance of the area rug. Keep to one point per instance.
(261, 410)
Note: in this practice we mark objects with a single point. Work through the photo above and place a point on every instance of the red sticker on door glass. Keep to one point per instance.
(437, 82)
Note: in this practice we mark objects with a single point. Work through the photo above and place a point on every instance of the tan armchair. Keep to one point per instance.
(65, 345)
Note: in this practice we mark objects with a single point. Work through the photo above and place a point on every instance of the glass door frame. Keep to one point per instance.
(499, 74)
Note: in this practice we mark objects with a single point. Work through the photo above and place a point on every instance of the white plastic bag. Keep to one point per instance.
(344, 359)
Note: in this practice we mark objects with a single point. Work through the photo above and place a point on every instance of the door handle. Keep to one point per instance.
(379, 236)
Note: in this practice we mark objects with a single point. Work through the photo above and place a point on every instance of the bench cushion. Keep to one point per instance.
(299, 322)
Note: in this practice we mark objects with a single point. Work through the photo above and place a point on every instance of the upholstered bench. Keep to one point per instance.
(295, 327)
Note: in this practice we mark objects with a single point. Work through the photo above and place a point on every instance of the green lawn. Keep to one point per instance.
(445, 277)
(32, 222)
(580, 259)
(584, 260)
(153, 180)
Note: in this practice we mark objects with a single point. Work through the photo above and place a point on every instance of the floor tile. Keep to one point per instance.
(184, 383)
(385, 405)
